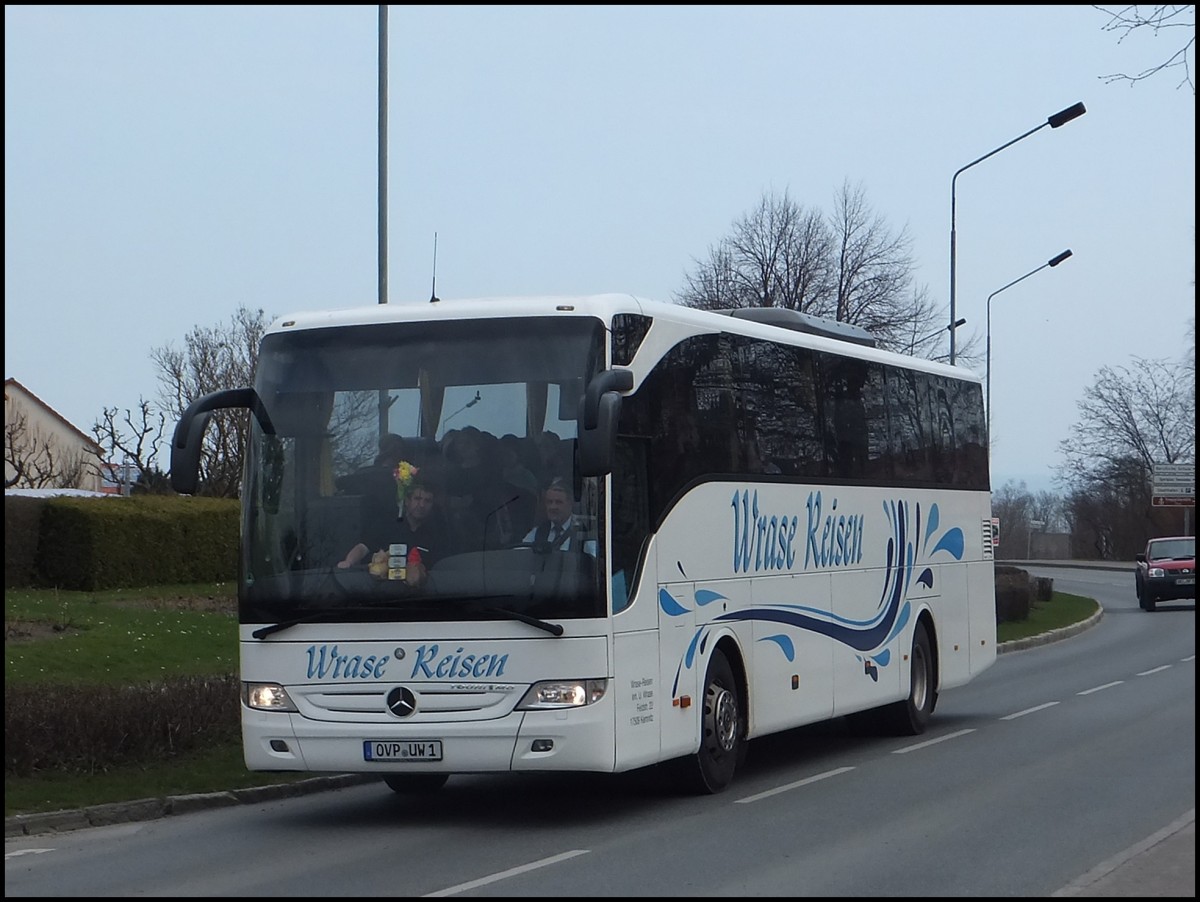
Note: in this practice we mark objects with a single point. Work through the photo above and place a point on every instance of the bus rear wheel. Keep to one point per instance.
(911, 716)
(415, 784)
(722, 731)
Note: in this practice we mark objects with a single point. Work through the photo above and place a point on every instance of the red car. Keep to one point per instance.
(1166, 570)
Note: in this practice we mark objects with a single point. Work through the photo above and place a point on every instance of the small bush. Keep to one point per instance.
(1014, 594)
(22, 519)
(88, 729)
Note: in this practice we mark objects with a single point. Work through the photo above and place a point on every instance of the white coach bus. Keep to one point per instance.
(778, 523)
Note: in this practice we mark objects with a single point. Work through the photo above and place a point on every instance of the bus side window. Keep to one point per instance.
(630, 515)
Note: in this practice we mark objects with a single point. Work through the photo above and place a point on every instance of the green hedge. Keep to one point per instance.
(90, 729)
(89, 544)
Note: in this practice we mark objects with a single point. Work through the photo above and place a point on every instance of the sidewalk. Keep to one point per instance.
(1161, 865)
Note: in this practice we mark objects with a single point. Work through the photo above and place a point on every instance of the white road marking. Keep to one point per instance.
(511, 872)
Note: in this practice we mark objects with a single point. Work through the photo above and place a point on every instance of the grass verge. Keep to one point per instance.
(212, 770)
(1060, 611)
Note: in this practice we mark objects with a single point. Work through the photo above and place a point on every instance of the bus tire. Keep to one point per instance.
(911, 716)
(722, 731)
(415, 784)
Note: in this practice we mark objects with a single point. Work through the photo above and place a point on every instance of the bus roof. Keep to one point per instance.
(787, 327)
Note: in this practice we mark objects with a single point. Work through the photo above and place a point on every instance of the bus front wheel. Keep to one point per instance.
(722, 730)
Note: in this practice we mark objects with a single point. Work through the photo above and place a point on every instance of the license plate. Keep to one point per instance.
(412, 750)
(1186, 581)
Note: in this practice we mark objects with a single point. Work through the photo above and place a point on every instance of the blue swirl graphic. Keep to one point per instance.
(869, 638)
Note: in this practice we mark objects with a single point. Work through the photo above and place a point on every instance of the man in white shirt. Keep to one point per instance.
(560, 529)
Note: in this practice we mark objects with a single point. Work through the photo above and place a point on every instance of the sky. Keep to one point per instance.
(165, 166)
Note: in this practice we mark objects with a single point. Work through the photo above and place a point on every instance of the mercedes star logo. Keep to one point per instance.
(402, 702)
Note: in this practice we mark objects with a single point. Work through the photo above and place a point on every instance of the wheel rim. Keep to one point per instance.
(920, 678)
(722, 719)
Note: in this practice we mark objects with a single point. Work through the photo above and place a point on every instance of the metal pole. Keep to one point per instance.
(383, 286)
(1062, 117)
(987, 389)
(384, 402)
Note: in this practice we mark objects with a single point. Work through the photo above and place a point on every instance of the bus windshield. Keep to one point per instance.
(422, 471)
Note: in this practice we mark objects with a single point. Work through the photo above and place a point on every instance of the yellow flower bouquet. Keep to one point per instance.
(405, 473)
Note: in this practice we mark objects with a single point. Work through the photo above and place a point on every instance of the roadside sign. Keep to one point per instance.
(1172, 501)
(1173, 485)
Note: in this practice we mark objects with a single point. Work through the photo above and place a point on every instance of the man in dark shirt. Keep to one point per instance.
(409, 545)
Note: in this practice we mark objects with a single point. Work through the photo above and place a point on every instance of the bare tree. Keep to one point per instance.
(135, 439)
(37, 460)
(214, 358)
(874, 276)
(1140, 415)
(778, 255)
(1012, 504)
(1155, 19)
(1048, 507)
(850, 266)
(1130, 419)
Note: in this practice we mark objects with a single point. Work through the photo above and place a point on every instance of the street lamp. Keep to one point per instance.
(1060, 118)
(1053, 261)
(961, 321)
(470, 403)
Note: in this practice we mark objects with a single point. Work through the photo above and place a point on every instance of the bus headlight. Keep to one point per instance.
(266, 697)
(562, 694)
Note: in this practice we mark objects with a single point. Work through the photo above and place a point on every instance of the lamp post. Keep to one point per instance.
(961, 321)
(1053, 261)
(1062, 117)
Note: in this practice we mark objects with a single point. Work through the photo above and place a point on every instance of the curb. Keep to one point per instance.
(1057, 635)
(152, 809)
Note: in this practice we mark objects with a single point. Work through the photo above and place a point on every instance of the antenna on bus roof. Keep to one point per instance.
(433, 298)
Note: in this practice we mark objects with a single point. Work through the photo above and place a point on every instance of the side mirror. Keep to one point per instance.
(189, 432)
(599, 411)
(1140, 557)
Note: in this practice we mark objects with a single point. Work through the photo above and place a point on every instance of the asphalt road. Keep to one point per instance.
(1162, 864)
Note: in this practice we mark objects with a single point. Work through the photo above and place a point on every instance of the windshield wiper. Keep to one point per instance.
(263, 631)
(552, 628)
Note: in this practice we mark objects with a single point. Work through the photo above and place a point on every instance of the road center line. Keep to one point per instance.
(511, 872)
(1098, 688)
(925, 745)
(1032, 710)
(1154, 670)
(796, 785)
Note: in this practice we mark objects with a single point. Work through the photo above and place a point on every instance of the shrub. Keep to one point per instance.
(87, 729)
(22, 519)
(1045, 588)
(90, 544)
(1014, 594)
